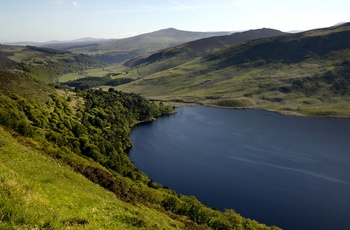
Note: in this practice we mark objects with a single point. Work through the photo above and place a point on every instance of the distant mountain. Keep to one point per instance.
(122, 49)
(56, 44)
(24, 43)
(118, 50)
(171, 57)
(157, 40)
(68, 45)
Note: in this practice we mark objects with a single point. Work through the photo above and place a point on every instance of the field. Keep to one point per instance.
(96, 72)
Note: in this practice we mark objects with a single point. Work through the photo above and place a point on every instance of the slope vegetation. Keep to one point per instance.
(299, 74)
(64, 164)
(38, 192)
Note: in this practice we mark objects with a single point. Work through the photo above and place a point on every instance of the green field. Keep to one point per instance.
(96, 72)
(37, 192)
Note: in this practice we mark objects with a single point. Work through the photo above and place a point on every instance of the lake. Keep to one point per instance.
(293, 172)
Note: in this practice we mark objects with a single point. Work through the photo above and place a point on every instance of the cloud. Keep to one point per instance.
(76, 4)
(181, 5)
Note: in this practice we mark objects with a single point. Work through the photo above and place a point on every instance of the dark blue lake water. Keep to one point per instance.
(292, 172)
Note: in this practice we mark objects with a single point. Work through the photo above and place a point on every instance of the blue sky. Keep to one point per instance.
(44, 20)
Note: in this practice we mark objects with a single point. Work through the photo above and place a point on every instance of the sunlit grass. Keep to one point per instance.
(99, 72)
(37, 192)
(70, 77)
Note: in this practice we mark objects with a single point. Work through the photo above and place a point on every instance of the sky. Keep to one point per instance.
(46, 20)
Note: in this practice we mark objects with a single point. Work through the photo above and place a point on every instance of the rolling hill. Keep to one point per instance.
(171, 57)
(301, 74)
(119, 50)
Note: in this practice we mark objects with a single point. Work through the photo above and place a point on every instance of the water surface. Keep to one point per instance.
(292, 172)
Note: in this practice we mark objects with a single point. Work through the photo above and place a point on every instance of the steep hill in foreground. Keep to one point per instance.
(302, 74)
(38, 192)
(63, 164)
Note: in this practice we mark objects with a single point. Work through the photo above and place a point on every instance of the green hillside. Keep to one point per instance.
(161, 60)
(44, 64)
(299, 74)
(38, 192)
(64, 163)
(172, 57)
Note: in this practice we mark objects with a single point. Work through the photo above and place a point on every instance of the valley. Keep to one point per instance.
(71, 108)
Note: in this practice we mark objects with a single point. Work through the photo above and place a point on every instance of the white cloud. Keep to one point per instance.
(181, 5)
(76, 4)
(58, 1)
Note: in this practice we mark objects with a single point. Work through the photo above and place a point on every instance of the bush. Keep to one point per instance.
(236, 103)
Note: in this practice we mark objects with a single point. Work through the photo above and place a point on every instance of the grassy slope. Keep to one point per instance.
(263, 74)
(37, 192)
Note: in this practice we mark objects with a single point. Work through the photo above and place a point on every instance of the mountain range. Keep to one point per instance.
(117, 50)
(180, 54)
(301, 74)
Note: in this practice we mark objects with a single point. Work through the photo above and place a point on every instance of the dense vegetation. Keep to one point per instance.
(91, 82)
(88, 130)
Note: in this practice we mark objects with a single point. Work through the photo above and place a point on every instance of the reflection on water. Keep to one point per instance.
(293, 172)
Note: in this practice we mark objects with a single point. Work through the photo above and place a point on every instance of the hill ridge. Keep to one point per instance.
(297, 74)
(197, 48)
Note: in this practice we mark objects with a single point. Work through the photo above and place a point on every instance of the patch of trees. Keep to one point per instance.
(6, 54)
(236, 103)
(115, 56)
(49, 71)
(46, 50)
(91, 82)
(165, 54)
(6, 63)
(99, 129)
